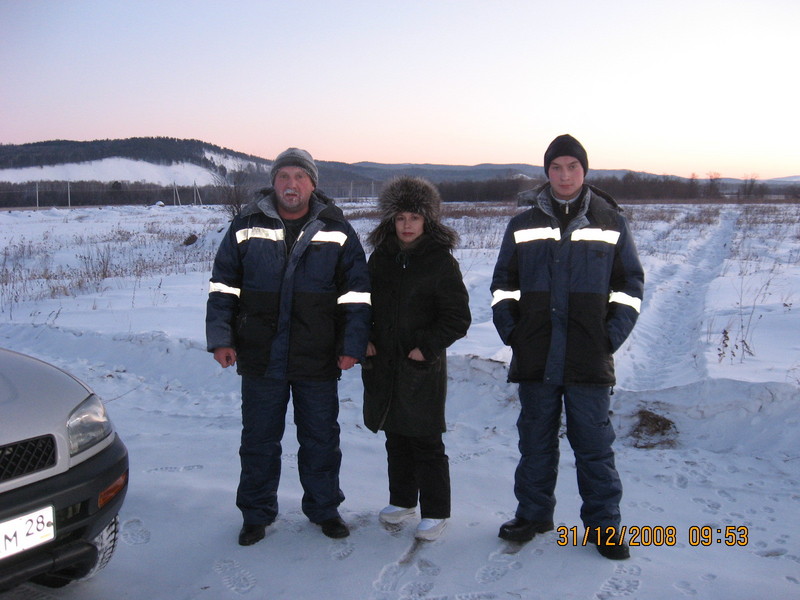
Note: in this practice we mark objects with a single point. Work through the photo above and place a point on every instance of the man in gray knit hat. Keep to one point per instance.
(289, 304)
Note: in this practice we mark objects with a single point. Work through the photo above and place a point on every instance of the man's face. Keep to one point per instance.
(566, 177)
(293, 189)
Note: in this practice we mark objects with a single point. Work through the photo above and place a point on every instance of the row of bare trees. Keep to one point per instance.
(235, 188)
(631, 187)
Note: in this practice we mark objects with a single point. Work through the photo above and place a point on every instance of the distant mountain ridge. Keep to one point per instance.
(157, 150)
(169, 151)
(21, 159)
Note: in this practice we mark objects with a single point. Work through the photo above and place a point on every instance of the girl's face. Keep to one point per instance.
(409, 226)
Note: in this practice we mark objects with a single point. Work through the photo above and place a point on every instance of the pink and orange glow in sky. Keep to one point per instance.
(668, 87)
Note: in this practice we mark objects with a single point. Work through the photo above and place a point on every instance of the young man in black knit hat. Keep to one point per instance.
(567, 290)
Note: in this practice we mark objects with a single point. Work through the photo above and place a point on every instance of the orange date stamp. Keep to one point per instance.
(653, 535)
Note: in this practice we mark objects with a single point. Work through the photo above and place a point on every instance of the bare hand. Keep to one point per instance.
(416, 354)
(225, 356)
(347, 362)
(371, 351)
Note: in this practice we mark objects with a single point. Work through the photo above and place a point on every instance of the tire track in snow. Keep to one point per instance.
(666, 347)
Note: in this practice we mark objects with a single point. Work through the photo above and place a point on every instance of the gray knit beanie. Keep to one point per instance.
(295, 157)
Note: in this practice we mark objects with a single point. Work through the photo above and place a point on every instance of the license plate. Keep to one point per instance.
(21, 533)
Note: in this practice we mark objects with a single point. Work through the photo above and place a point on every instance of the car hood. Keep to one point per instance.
(35, 398)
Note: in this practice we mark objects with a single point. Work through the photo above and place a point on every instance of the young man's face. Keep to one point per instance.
(293, 188)
(566, 177)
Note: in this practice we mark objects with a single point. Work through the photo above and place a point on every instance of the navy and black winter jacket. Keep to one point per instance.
(566, 301)
(289, 312)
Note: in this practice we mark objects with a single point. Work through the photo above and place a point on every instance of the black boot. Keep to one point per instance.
(613, 548)
(522, 530)
(250, 534)
(335, 528)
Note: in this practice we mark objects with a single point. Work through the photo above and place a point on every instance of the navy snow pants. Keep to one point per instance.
(316, 410)
(590, 434)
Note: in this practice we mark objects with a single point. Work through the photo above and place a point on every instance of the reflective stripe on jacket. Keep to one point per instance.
(289, 312)
(565, 302)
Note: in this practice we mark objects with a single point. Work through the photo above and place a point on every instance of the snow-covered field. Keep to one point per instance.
(116, 297)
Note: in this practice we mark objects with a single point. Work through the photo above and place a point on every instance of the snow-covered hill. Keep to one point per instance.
(114, 169)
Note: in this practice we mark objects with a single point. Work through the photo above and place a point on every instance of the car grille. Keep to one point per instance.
(29, 456)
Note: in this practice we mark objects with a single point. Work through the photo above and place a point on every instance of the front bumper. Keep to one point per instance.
(74, 496)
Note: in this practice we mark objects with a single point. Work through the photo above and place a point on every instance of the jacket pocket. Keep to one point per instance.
(418, 408)
(417, 378)
(253, 340)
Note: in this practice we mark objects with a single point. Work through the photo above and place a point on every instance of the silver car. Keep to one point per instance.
(63, 476)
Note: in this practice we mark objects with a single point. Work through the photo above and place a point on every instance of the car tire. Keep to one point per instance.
(106, 543)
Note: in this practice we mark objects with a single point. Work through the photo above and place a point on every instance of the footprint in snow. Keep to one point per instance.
(234, 577)
(496, 571)
(388, 578)
(726, 495)
(394, 529)
(686, 588)
(175, 469)
(360, 520)
(501, 561)
(681, 481)
(624, 582)
(391, 574)
(772, 553)
(341, 549)
(711, 506)
(134, 532)
(294, 522)
(428, 568)
(416, 589)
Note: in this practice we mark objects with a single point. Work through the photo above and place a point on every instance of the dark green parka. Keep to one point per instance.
(418, 301)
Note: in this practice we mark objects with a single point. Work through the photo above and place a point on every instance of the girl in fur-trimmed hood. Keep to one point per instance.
(419, 307)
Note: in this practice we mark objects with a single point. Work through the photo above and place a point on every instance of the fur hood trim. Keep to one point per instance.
(415, 195)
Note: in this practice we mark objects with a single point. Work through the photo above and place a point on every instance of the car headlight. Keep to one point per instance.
(87, 425)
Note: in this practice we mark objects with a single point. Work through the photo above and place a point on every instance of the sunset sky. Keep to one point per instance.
(675, 87)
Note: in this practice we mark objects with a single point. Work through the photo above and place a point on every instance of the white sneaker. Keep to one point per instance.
(395, 514)
(430, 529)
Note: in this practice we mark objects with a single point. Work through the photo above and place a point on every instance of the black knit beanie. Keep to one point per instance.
(295, 157)
(565, 145)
